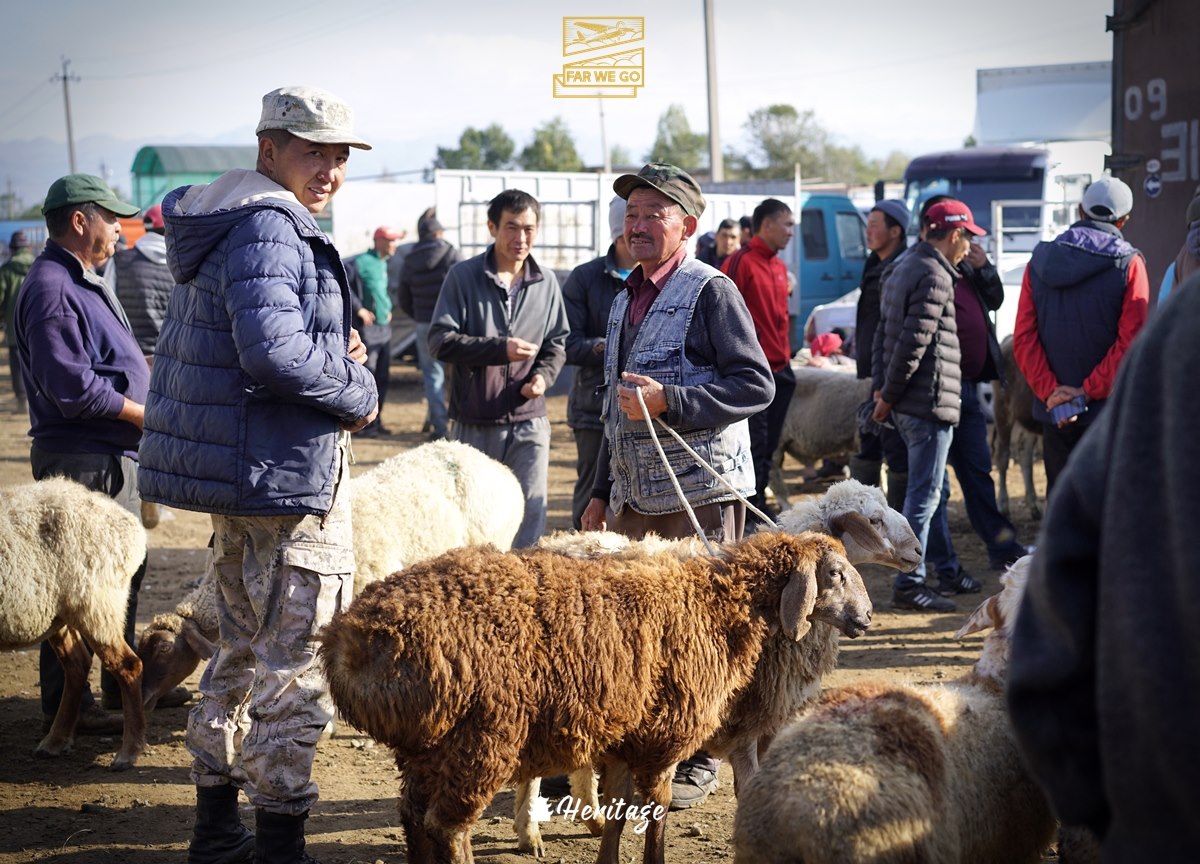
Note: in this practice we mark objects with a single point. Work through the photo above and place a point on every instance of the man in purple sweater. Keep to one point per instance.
(86, 379)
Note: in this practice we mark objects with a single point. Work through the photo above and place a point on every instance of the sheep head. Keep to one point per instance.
(998, 612)
(822, 586)
(893, 543)
(170, 649)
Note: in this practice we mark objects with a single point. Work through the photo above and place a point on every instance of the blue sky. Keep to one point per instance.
(883, 75)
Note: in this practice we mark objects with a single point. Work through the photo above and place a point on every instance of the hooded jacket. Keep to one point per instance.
(421, 276)
(252, 380)
(1084, 297)
(916, 361)
(144, 284)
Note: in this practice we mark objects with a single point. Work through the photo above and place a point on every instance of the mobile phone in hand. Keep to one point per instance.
(1067, 410)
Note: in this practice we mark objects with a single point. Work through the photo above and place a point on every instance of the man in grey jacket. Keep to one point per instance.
(917, 376)
(500, 326)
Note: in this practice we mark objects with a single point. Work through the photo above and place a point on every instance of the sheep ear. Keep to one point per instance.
(196, 639)
(858, 528)
(798, 600)
(986, 615)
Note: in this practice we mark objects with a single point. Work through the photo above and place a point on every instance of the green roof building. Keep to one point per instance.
(157, 169)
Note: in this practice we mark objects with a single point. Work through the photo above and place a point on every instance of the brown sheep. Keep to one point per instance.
(1013, 409)
(479, 668)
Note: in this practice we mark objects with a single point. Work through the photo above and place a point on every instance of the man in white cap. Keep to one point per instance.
(258, 381)
(1084, 298)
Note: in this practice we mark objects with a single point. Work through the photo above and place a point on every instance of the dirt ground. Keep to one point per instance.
(73, 811)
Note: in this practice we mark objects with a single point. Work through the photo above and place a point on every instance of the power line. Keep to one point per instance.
(14, 106)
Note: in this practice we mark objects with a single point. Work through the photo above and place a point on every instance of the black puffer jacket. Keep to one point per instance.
(421, 277)
(916, 361)
(144, 284)
(866, 316)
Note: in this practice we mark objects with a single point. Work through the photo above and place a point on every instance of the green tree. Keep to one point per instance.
(677, 143)
(489, 149)
(620, 157)
(780, 136)
(552, 149)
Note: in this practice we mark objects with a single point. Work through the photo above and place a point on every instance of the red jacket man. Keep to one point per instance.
(762, 279)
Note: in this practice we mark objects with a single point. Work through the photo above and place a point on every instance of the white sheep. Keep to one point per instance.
(67, 558)
(412, 506)
(789, 673)
(888, 772)
(480, 667)
(821, 421)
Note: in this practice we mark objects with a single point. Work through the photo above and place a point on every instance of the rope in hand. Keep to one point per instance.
(703, 464)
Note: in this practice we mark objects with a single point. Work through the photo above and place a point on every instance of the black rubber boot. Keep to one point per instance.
(897, 488)
(279, 838)
(865, 471)
(219, 837)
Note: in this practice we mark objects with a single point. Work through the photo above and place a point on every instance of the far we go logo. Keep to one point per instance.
(616, 74)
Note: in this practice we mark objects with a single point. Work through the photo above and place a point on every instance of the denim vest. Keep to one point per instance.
(639, 477)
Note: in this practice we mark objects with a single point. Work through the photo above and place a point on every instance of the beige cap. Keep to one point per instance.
(312, 114)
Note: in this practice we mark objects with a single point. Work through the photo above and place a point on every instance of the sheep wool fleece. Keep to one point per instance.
(281, 579)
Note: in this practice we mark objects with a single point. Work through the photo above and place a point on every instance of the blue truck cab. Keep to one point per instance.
(827, 254)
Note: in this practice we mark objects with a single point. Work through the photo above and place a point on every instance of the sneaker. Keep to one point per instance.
(691, 786)
(920, 598)
(93, 720)
(1010, 559)
(960, 583)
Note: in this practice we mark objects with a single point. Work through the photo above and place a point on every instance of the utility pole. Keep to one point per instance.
(66, 77)
(607, 162)
(715, 160)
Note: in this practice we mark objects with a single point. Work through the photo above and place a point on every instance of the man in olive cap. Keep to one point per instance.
(86, 382)
(258, 381)
(680, 333)
(12, 274)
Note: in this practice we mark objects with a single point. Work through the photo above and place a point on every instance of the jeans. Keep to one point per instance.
(928, 443)
(378, 340)
(434, 376)
(525, 448)
(972, 463)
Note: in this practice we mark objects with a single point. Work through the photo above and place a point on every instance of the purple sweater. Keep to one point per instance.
(79, 358)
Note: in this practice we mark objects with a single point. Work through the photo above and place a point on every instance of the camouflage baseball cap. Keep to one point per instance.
(668, 179)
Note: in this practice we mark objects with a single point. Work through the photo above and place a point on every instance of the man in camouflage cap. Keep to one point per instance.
(680, 334)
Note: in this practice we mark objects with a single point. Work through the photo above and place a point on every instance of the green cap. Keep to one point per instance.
(668, 179)
(82, 189)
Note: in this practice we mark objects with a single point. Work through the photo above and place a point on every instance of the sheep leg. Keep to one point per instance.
(1031, 500)
(73, 655)
(618, 786)
(413, 804)
(583, 787)
(125, 666)
(744, 761)
(529, 837)
(657, 791)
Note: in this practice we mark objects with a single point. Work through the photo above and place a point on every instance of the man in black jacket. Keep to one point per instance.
(886, 226)
(421, 277)
(917, 377)
(588, 295)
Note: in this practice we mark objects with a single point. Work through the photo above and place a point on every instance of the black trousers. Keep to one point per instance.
(765, 429)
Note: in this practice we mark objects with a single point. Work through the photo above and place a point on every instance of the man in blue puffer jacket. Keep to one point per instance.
(257, 382)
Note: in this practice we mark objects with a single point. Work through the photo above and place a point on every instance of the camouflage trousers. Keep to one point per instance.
(264, 701)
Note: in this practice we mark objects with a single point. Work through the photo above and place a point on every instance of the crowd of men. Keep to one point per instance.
(238, 353)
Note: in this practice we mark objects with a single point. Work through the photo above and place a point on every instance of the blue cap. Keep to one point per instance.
(895, 208)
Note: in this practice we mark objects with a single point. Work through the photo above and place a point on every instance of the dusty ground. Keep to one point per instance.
(73, 811)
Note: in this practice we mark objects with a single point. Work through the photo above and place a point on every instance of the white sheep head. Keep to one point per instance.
(998, 612)
(895, 544)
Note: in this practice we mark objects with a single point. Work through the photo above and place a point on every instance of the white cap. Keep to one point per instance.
(311, 114)
(1107, 200)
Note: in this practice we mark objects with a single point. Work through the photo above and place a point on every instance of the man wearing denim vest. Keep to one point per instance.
(681, 335)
